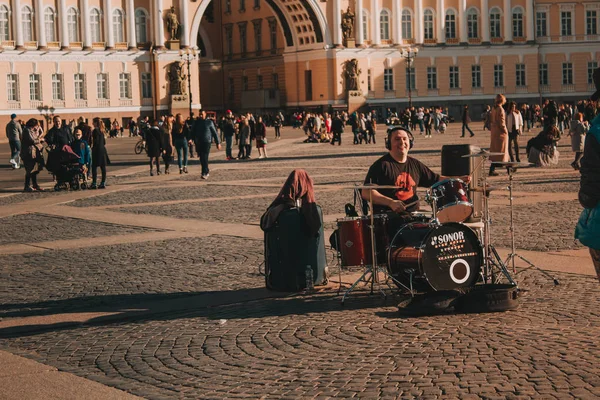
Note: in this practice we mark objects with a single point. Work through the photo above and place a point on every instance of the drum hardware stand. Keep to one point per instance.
(513, 254)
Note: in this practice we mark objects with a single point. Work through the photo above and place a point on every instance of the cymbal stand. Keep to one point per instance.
(513, 254)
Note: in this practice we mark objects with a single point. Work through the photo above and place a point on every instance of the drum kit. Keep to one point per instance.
(440, 252)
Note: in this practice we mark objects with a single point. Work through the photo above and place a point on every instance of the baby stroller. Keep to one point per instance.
(69, 173)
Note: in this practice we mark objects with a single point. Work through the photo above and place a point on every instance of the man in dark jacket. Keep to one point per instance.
(14, 133)
(337, 128)
(203, 132)
(466, 120)
(228, 133)
(60, 135)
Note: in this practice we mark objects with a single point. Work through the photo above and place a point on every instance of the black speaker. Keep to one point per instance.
(454, 164)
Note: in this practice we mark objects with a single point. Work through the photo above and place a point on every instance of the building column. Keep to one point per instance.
(184, 14)
(337, 23)
(131, 39)
(418, 22)
(17, 23)
(376, 22)
(397, 21)
(441, 16)
(159, 28)
(39, 25)
(84, 16)
(359, 28)
(462, 21)
(63, 29)
(485, 22)
(108, 32)
(507, 21)
(529, 20)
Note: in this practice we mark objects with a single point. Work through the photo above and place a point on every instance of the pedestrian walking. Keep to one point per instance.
(99, 154)
(154, 146)
(244, 138)
(167, 142)
(337, 128)
(578, 131)
(261, 138)
(498, 133)
(466, 120)
(31, 154)
(14, 134)
(514, 124)
(181, 137)
(204, 132)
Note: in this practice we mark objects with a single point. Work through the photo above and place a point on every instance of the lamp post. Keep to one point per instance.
(187, 55)
(409, 54)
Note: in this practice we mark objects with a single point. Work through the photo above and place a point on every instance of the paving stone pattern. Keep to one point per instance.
(19, 228)
(187, 265)
(552, 232)
(313, 348)
(21, 197)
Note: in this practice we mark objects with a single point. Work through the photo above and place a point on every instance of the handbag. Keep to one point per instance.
(264, 140)
(587, 230)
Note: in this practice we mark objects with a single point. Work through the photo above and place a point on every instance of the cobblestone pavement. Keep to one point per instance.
(223, 345)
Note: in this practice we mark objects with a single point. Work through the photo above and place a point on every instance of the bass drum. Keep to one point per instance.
(439, 257)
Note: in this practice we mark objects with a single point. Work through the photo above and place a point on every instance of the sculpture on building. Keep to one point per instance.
(173, 23)
(351, 74)
(177, 78)
(347, 25)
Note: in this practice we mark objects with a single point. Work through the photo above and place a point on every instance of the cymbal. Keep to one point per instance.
(482, 153)
(512, 164)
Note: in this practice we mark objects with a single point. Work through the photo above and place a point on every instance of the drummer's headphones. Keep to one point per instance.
(392, 129)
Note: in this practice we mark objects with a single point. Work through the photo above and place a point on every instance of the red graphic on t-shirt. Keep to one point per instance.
(406, 185)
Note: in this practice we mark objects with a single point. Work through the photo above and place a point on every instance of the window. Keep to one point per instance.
(256, 4)
(12, 87)
(365, 23)
(498, 75)
(243, 39)
(517, 22)
(73, 25)
(275, 81)
(259, 81)
(231, 89)
(57, 87)
(228, 40)
(388, 79)
(410, 78)
(450, 25)
(49, 24)
(80, 92)
(592, 66)
(4, 23)
(308, 85)
(273, 35)
(141, 26)
(124, 85)
(102, 86)
(406, 24)
(567, 73)
(454, 77)
(384, 25)
(475, 76)
(428, 24)
(565, 23)
(117, 19)
(242, 5)
(541, 20)
(472, 24)
(543, 74)
(228, 6)
(591, 22)
(146, 85)
(495, 24)
(431, 78)
(27, 24)
(369, 80)
(96, 25)
(520, 75)
(244, 83)
(258, 36)
(35, 92)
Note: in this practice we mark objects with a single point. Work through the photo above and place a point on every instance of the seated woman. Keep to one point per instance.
(541, 150)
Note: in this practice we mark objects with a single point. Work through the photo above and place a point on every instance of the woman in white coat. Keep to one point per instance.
(514, 124)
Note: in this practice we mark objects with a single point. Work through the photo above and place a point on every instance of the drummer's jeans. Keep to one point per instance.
(596, 259)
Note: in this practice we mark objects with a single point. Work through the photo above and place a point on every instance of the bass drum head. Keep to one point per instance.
(452, 257)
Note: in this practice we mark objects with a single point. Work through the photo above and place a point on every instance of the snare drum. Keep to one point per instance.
(435, 257)
(355, 240)
(452, 201)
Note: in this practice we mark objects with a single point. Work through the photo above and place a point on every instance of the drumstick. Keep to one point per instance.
(410, 204)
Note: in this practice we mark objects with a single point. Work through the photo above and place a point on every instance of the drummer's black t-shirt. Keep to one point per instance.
(408, 176)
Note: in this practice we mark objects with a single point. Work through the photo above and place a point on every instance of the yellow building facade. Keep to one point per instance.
(113, 58)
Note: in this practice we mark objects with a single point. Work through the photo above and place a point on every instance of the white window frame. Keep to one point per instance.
(498, 75)
(567, 73)
(591, 22)
(365, 23)
(428, 24)
(27, 23)
(518, 22)
(388, 79)
(35, 87)
(146, 85)
(118, 25)
(125, 86)
(50, 24)
(407, 30)
(476, 76)
(541, 23)
(450, 24)
(432, 81)
(521, 75)
(12, 87)
(543, 74)
(95, 19)
(566, 23)
(410, 74)
(102, 86)
(58, 92)
(495, 18)
(5, 27)
(79, 86)
(454, 77)
(384, 24)
(472, 23)
(592, 66)
(73, 24)
(141, 26)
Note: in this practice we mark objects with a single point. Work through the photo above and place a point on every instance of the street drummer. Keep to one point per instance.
(396, 168)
